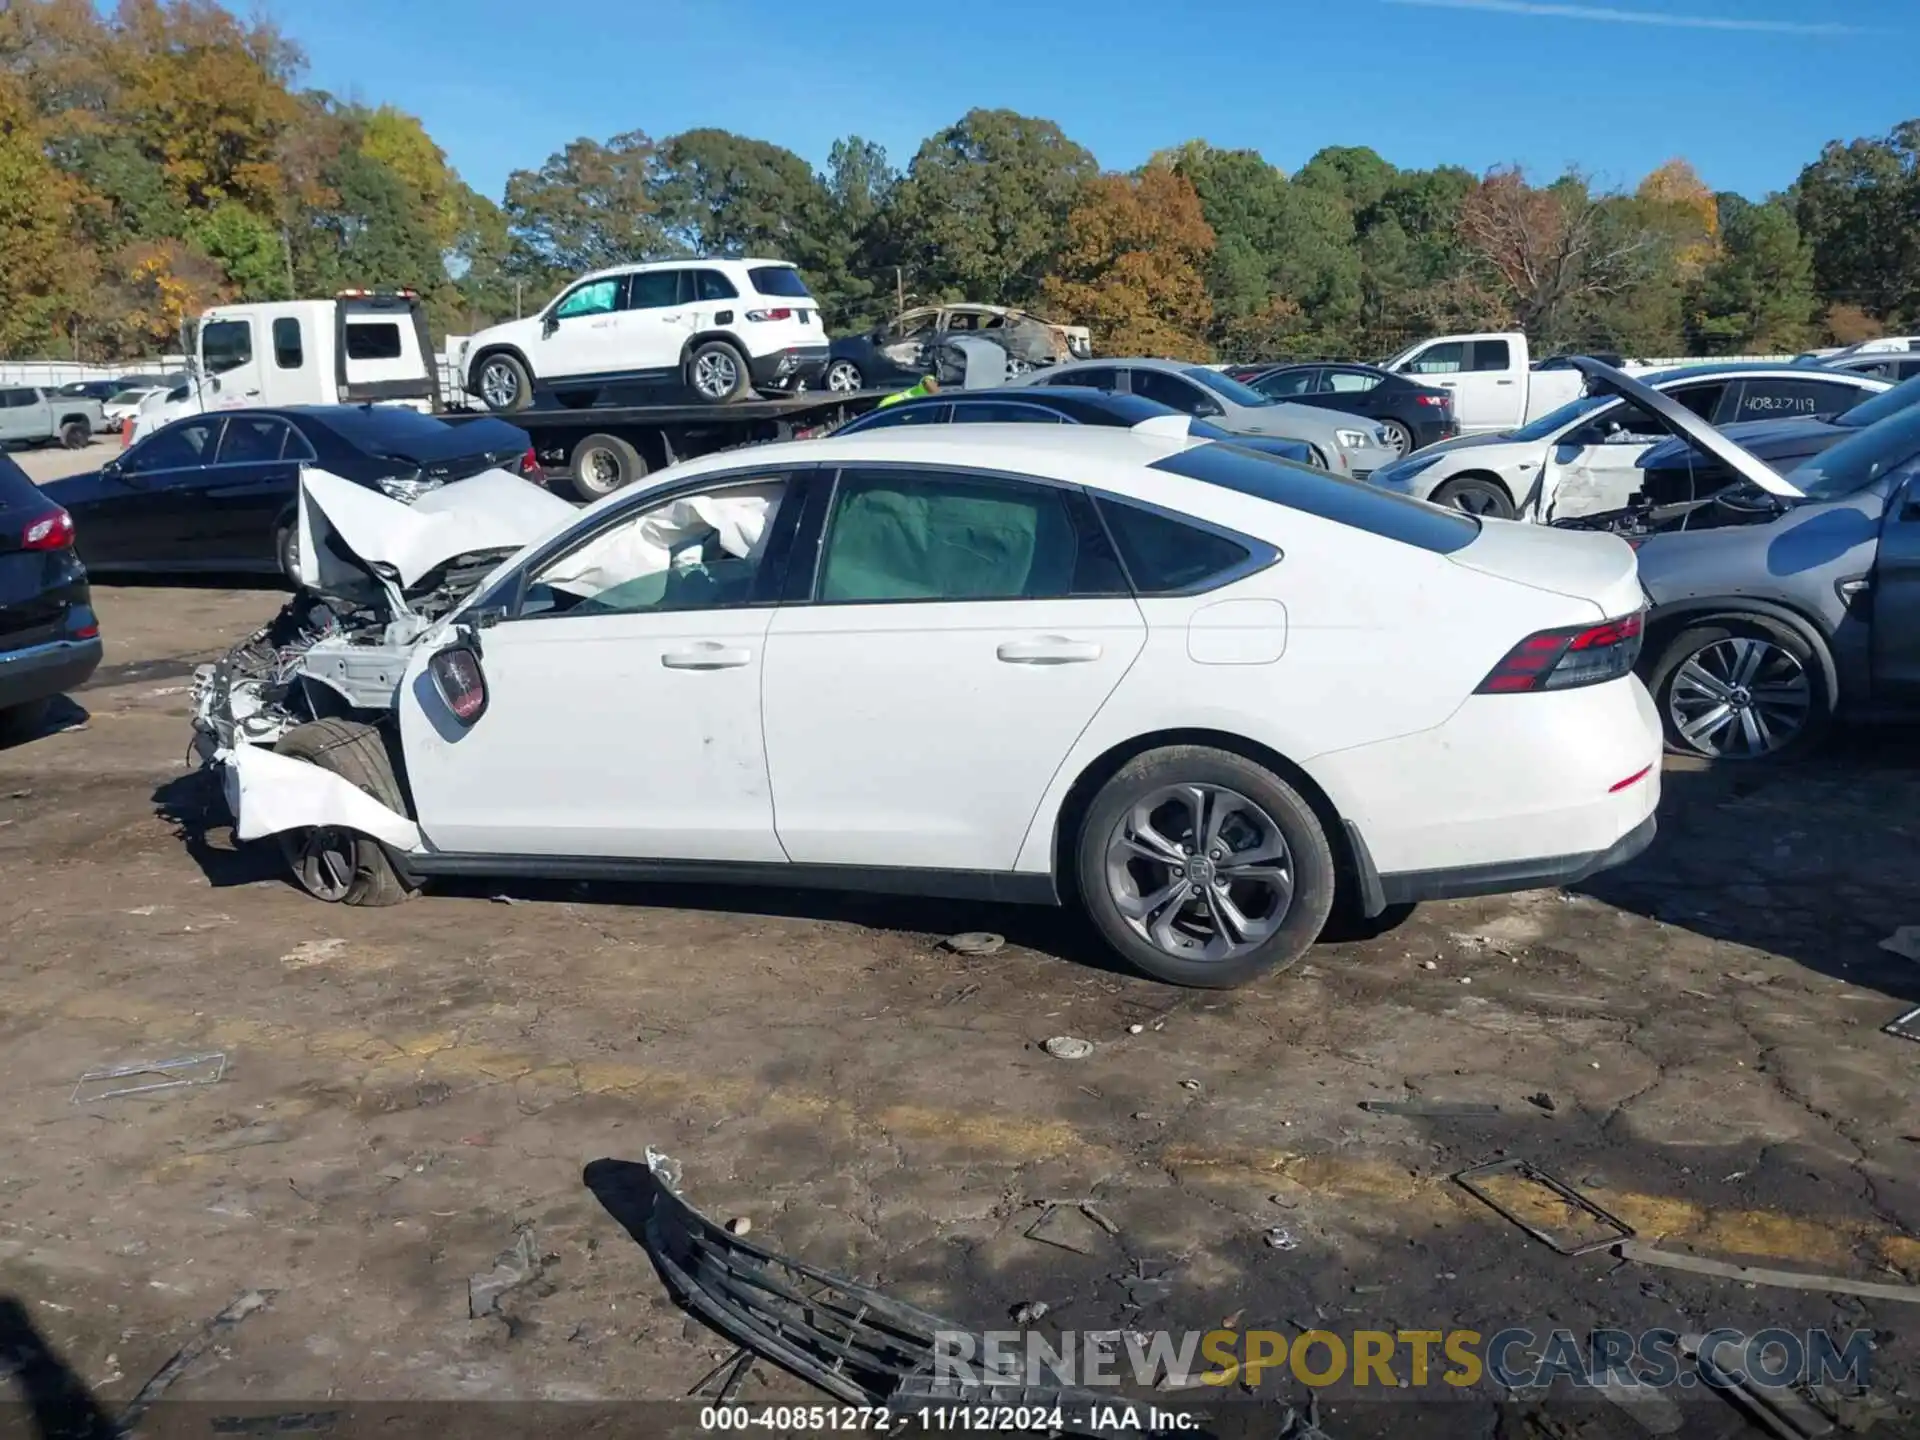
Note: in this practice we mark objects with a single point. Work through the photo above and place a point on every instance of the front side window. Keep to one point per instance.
(955, 537)
(1284, 384)
(191, 442)
(1447, 359)
(712, 285)
(1165, 556)
(287, 353)
(1491, 355)
(251, 440)
(226, 345)
(1172, 391)
(596, 297)
(693, 552)
(1003, 412)
(906, 326)
(374, 342)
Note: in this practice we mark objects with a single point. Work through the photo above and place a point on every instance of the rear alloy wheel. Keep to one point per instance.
(76, 434)
(505, 387)
(717, 373)
(1203, 868)
(1740, 691)
(603, 464)
(843, 377)
(286, 553)
(1485, 498)
(1399, 438)
(334, 864)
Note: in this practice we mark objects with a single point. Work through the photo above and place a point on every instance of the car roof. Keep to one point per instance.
(1137, 362)
(637, 266)
(1737, 368)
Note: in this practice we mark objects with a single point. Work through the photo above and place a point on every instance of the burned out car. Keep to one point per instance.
(903, 350)
(1780, 603)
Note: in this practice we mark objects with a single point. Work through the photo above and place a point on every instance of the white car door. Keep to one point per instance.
(657, 323)
(1488, 383)
(964, 630)
(622, 714)
(581, 334)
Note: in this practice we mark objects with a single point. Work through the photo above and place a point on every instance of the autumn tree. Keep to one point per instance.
(591, 205)
(1757, 295)
(1133, 267)
(38, 286)
(984, 206)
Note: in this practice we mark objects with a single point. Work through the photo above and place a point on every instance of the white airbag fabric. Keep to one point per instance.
(736, 518)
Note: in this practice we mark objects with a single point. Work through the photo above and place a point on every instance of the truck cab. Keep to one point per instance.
(360, 347)
(1491, 378)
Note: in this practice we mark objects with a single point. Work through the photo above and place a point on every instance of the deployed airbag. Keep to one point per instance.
(636, 556)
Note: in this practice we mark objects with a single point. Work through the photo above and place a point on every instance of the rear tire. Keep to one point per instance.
(76, 434)
(22, 722)
(503, 384)
(602, 464)
(344, 867)
(286, 554)
(1789, 684)
(1471, 495)
(1399, 437)
(717, 373)
(843, 377)
(1156, 868)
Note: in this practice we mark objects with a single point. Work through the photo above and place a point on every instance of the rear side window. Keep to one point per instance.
(1491, 355)
(779, 280)
(251, 440)
(1351, 382)
(1768, 398)
(1002, 412)
(1165, 556)
(653, 289)
(1100, 377)
(1173, 392)
(374, 342)
(1287, 382)
(18, 399)
(934, 536)
(1329, 496)
(712, 285)
(286, 343)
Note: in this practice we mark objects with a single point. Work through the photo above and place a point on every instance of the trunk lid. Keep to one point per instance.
(1584, 565)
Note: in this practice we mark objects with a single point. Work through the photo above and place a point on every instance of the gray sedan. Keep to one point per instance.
(1345, 444)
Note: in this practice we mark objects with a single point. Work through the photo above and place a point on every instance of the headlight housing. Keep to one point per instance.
(1351, 439)
(406, 488)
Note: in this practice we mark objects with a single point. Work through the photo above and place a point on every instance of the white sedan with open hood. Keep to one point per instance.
(1201, 692)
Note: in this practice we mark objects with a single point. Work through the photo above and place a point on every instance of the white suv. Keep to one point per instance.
(723, 329)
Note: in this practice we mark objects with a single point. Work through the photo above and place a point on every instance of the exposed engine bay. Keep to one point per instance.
(1737, 503)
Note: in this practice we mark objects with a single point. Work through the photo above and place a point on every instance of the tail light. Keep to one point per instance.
(49, 532)
(1437, 402)
(457, 676)
(530, 467)
(781, 314)
(1564, 659)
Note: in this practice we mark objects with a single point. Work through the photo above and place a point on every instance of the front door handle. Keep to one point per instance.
(707, 655)
(1503, 382)
(1048, 650)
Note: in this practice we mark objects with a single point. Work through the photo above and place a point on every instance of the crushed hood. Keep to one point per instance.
(494, 510)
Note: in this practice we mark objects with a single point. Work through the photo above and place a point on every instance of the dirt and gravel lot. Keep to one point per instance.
(52, 462)
(1693, 1040)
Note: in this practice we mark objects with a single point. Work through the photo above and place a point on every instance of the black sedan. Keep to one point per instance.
(49, 638)
(1056, 405)
(218, 492)
(1412, 415)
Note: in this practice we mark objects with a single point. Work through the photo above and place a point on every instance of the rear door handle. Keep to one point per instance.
(1503, 382)
(707, 655)
(1048, 650)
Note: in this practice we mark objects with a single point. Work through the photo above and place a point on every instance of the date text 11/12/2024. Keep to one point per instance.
(984, 1419)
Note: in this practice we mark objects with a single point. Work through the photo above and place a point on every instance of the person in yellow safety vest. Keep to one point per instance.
(927, 385)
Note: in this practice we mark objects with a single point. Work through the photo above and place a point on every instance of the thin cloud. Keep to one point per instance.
(1612, 16)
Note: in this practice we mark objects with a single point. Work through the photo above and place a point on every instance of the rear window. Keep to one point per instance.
(1165, 556)
(1331, 497)
(370, 426)
(373, 342)
(779, 280)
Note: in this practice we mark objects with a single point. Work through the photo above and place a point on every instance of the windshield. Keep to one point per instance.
(128, 397)
(1554, 421)
(1232, 389)
(1859, 460)
(1887, 402)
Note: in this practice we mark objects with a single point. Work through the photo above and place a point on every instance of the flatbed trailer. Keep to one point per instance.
(597, 449)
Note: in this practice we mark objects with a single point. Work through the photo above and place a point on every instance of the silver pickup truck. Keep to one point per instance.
(33, 416)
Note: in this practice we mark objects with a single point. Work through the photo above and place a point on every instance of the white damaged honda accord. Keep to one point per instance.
(1201, 693)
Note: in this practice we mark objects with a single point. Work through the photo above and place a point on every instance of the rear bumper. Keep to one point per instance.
(40, 671)
(1460, 881)
(789, 368)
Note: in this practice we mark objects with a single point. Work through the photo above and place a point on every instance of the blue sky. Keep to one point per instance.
(1746, 89)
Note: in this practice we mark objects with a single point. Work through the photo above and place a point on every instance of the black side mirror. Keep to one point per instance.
(549, 323)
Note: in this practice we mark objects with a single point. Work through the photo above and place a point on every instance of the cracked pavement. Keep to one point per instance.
(405, 1087)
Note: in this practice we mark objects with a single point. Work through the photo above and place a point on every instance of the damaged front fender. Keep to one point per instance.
(269, 794)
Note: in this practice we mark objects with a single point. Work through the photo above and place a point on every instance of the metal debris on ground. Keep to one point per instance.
(1904, 1027)
(1754, 1275)
(974, 942)
(508, 900)
(858, 1345)
(1068, 1047)
(1028, 1311)
(1437, 1108)
(1047, 1230)
(1775, 1409)
(512, 1269)
(1189, 1084)
(739, 1225)
(728, 1376)
(152, 1075)
(1281, 1238)
(215, 1329)
(1558, 1196)
(1543, 1101)
(1904, 942)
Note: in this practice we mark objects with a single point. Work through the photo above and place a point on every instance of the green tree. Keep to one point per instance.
(1858, 205)
(1758, 294)
(589, 206)
(984, 205)
(724, 194)
(372, 235)
(38, 276)
(246, 246)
